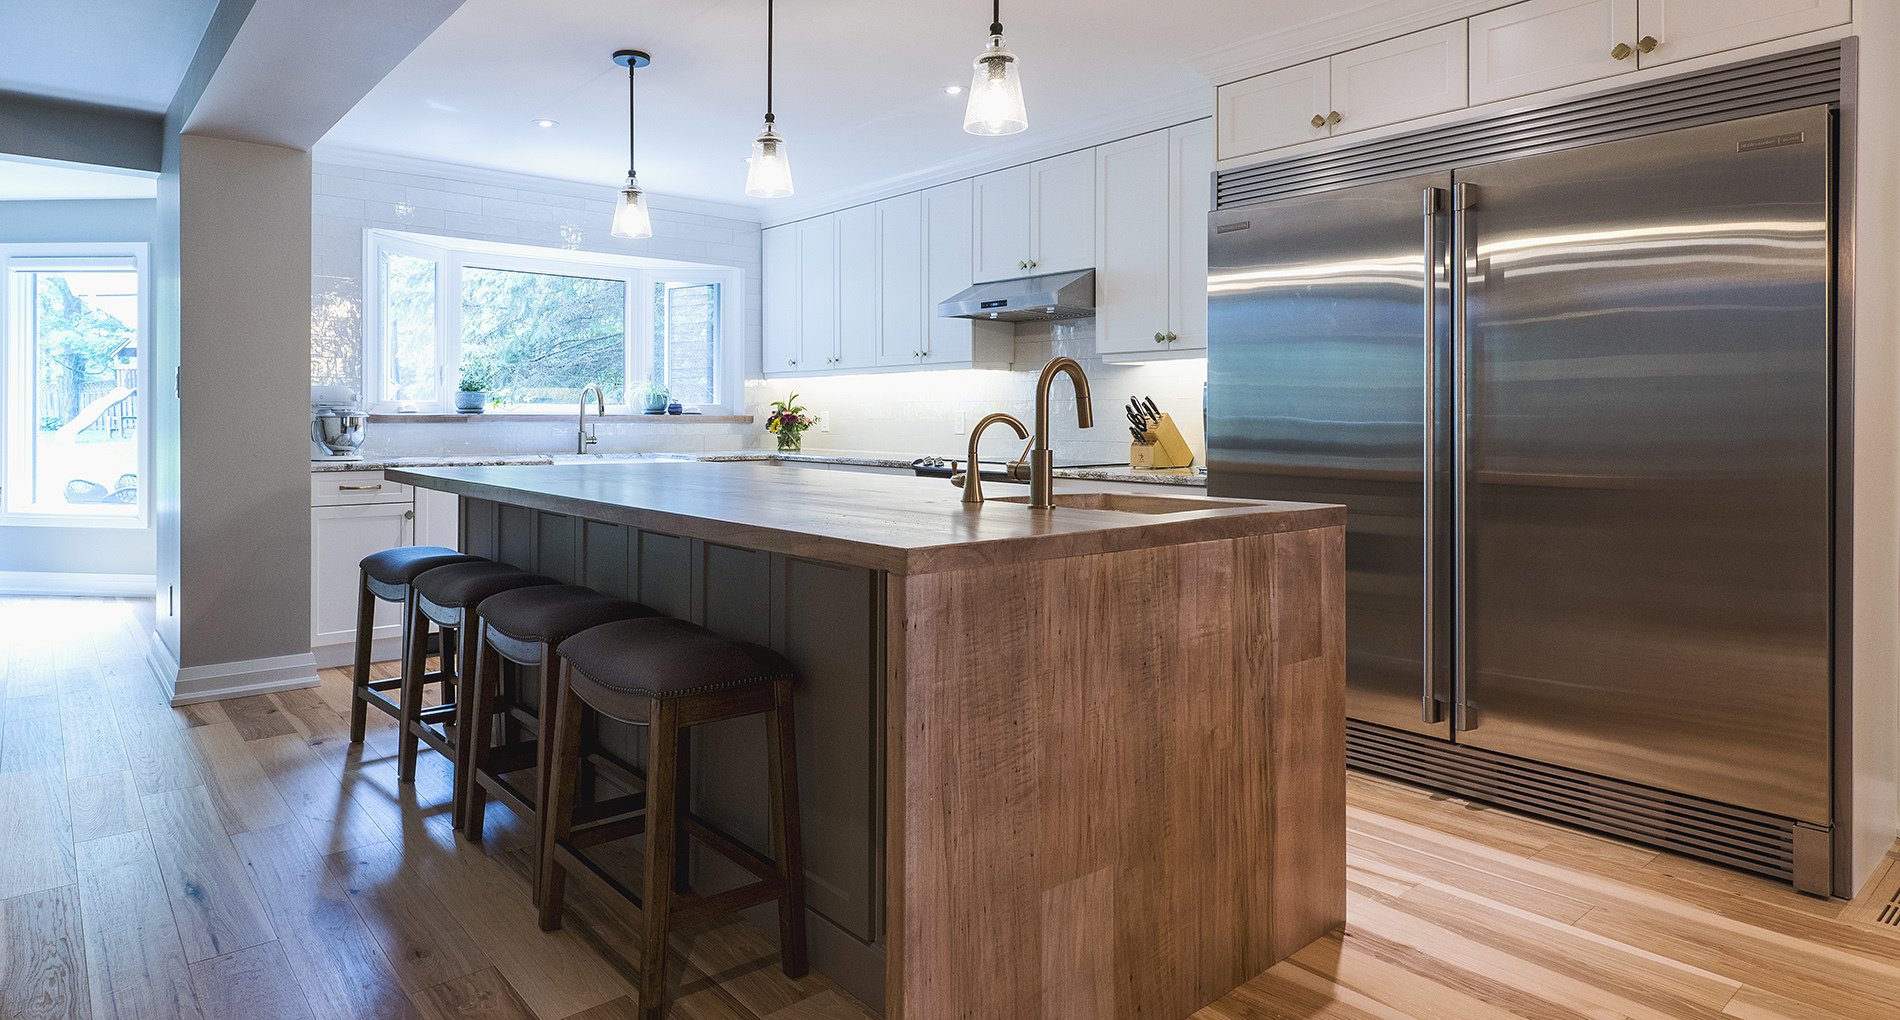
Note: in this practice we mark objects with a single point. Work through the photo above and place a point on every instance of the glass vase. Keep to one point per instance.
(790, 441)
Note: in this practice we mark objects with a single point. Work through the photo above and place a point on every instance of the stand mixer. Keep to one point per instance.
(338, 424)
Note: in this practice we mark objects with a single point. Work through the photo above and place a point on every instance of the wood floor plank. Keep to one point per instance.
(331, 954)
(31, 739)
(426, 944)
(159, 750)
(217, 908)
(250, 984)
(88, 729)
(104, 804)
(245, 797)
(43, 957)
(482, 995)
(257, 717)
(135, 963)
(319, 799)
(38, 853)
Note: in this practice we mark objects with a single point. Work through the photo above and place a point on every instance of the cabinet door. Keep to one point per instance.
(340, 536)
(817, 293)
(1001, 220)
(948, 258)
(1547, 44)
(904, 308)
(1191, 189)
(779, 270)
(1275, 109)
(1400, 79)
(857, 289)
(1062, 204)
(438, 518)
(1132, 244)
(1693, 28)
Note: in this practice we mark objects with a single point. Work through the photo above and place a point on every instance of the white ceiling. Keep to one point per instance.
(858, 94)
(127, 53)
(22, 181)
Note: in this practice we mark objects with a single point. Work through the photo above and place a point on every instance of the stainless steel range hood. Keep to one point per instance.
(1026, 299)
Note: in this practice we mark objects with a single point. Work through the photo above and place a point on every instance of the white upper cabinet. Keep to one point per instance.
(903, 305)
(1692, 28)
(857, 294)
(1001, 222)
(817, 293)
(1062, 203)
(1151, 242)
(1547, 44)
(1412, 76)
(948, 262)
(1276, 109)
(779, 270)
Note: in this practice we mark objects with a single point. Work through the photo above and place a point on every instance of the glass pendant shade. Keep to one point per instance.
(996, 94)
(631, 220)
(769, 169)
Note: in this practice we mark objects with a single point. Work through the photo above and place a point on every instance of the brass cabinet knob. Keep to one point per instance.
(1319, 120)
(1647, 44)
(793, 361)
(1171, 337)
(1334, 117)
(1622, 51)
(408, 515)
(1160, 339)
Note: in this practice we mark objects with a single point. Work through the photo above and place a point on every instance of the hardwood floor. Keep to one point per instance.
(240, 859)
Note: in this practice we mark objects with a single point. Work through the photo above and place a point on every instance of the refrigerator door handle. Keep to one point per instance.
(1464, 715)
(1431, 705)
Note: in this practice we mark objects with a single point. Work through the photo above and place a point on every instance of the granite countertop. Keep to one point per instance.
(1187, 477)
(882, 522)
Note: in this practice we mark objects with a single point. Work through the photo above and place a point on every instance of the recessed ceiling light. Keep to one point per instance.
(543, 122)
(953, 90)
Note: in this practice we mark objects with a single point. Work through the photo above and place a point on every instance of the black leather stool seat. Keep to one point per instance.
(549, 615)
(459, 586)
(619, 666)
(391, 570)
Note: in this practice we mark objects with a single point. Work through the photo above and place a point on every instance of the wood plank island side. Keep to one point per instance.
(1073, 764)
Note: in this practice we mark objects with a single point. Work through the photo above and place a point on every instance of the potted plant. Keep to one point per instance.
(654, 398)
(473, 393)
(788, 421)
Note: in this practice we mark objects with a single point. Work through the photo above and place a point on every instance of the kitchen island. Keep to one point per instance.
(1080, 762)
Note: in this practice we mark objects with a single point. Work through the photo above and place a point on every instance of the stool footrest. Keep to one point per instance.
(437, 713)
(510, 794)
(393, 683)
(686, 910)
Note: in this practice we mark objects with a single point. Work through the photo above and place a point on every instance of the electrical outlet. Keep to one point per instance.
(824, 421)
(960, 425)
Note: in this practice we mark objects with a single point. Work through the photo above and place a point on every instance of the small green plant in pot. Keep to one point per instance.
(472, 395)
(654, 398)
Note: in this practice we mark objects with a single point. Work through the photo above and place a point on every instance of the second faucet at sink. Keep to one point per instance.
(1040, 468)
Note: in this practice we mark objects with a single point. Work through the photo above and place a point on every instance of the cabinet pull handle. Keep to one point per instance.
(1647, 44)
(1622, 51)
(1319, 120)
(793, 361)
(1032, 264)
(408, 515)
(1334, 117)
(1171, 337)
(1160, 339)
(360, 488)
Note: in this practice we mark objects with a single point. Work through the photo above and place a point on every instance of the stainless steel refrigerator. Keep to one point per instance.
(1579, 407)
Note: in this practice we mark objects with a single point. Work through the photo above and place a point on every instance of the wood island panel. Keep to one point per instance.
(1121, 790)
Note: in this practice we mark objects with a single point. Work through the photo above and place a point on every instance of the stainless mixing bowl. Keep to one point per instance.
(340, 432)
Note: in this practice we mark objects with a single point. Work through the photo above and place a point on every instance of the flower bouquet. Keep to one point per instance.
(788, 421)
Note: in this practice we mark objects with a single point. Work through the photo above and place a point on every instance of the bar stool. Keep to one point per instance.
(387, 575)
(524, 626)
(671, 675)
(447, 596)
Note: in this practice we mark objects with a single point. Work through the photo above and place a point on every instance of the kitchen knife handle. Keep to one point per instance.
(1431, 709)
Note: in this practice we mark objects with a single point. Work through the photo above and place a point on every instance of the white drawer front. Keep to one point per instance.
(352, 488)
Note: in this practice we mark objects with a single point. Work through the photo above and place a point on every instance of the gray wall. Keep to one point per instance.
(79, 133)
(81, 550)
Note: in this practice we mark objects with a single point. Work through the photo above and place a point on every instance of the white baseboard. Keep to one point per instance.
(189, 685)
(380, 650)
(46, 582)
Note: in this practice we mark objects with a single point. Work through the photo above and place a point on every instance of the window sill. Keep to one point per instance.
(546, 416)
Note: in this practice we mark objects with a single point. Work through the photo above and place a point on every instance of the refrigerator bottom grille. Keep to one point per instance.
(1737, 837)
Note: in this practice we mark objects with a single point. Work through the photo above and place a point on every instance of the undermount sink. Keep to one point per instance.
(1130, 503)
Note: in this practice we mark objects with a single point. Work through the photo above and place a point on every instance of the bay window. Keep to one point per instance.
(530, 327)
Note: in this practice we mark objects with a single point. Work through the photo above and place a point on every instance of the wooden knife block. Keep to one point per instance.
(1166, 447)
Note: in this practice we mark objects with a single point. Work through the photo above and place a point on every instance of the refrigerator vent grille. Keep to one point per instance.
(1791, 81)
(1729, 835)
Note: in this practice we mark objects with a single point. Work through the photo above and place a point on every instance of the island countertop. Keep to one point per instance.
(901, 525)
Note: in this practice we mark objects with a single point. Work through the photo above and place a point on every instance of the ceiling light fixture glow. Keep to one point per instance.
(545, 122)
(953, 90)
(769, 170)
(631, 219)
(996, 88)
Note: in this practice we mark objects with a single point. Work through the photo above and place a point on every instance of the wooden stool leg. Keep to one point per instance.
(550, 678)
(365, 634)
(559, 810)
(682, 865)
(474, 720)
(414, 663)
(662, 833)
(468, 638)
(788, 851)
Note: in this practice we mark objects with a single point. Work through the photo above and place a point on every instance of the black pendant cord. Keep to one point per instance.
(996, 17)
(768, 60)
(630, 148)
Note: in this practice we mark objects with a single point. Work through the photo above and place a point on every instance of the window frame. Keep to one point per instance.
(17, 377)
(454, 256)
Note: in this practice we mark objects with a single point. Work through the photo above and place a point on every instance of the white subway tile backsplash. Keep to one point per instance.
(373, 191)
(434, 198)
(335, 205)
(480, 190)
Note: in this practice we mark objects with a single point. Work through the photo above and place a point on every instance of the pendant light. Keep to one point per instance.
(769, 170)
(630, 216)
(996, 89)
